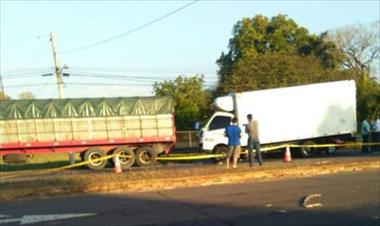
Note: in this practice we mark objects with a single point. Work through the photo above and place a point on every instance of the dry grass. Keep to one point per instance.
(76, 182)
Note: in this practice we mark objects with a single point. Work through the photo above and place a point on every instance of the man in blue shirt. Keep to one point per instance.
(233, 132)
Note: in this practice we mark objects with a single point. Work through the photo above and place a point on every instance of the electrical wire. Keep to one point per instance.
(132, 30)
(131, 78)
(24, 72)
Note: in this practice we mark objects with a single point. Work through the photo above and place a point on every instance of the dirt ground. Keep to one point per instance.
(44, 183)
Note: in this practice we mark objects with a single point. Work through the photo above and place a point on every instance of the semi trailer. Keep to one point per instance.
(138, 128)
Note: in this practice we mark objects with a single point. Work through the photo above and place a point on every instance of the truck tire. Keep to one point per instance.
(16, 158)
(220, 149)
(330, 150)
(93, 154)
(145, 156)
(307, 152)
(127, 157)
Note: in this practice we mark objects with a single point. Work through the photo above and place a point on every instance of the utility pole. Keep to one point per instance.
(57, 64)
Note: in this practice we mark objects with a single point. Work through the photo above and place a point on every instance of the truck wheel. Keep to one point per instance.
(91, 155)
(330, 150)
(127, 157)
(220, 149)
(307, 151)
(145, 156)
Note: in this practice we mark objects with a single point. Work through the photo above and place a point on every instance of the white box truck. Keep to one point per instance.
(306, 114)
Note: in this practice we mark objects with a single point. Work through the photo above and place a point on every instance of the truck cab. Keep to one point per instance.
(212, 134)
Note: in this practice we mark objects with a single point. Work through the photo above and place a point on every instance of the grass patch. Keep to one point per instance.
(40, 161)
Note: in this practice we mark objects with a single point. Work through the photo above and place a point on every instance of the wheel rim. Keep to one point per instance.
(124, 157)
(306, 151)
(331, 150)
(145, 157)
(93, 159)
(221, 150)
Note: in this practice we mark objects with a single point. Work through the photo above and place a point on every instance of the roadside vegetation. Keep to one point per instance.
(276, 52)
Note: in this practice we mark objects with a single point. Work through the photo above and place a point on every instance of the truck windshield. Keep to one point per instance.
(219, 122)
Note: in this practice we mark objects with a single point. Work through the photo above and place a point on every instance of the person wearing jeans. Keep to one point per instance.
(252, 129)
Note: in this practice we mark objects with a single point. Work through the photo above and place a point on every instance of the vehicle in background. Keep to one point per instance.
(306, 114)
(137, 128)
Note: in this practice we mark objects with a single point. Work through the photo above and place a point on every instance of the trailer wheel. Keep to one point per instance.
(127, 157)
(145, 156)
(307, 151)
(91, 155)
(220, 149)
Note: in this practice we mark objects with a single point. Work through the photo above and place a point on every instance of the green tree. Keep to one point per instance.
(27, 95)
(192, 101)
(278, 70)
(279, 52)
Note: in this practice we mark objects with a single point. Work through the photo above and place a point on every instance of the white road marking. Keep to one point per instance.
(30, 219)
(5, 216)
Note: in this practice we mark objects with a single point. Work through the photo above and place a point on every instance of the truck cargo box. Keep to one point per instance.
(287, 114)
(41, 125)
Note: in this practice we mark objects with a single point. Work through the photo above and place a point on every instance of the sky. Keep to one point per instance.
(146, 48)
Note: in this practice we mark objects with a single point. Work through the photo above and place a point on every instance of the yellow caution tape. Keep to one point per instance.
(38, 172)
(190, 157)
(180, 157)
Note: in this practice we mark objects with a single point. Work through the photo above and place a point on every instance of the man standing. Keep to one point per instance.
(252, 129)
(365, 131)
(233, 132)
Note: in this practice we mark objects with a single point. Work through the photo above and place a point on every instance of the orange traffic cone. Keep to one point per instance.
(117, 166)
(287, 156)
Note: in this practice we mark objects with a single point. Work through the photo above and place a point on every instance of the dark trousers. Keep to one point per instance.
(376, 139)
(365, 148)
(254, 144)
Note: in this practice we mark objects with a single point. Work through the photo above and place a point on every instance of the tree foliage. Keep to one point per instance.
(266, 53)
(192, 101)
(27, 95)
(361, 47)
(278, 70)
(4, 96)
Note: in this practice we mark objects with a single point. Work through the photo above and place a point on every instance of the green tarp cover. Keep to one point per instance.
(85, 107)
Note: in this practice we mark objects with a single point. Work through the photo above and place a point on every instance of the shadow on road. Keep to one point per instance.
(271, 203)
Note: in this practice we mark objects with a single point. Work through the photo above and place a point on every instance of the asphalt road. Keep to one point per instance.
(347, 199)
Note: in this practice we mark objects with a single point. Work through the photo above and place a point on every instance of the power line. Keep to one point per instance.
(131, 78)
(89, 84)
(23, 71)
(132, 30)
